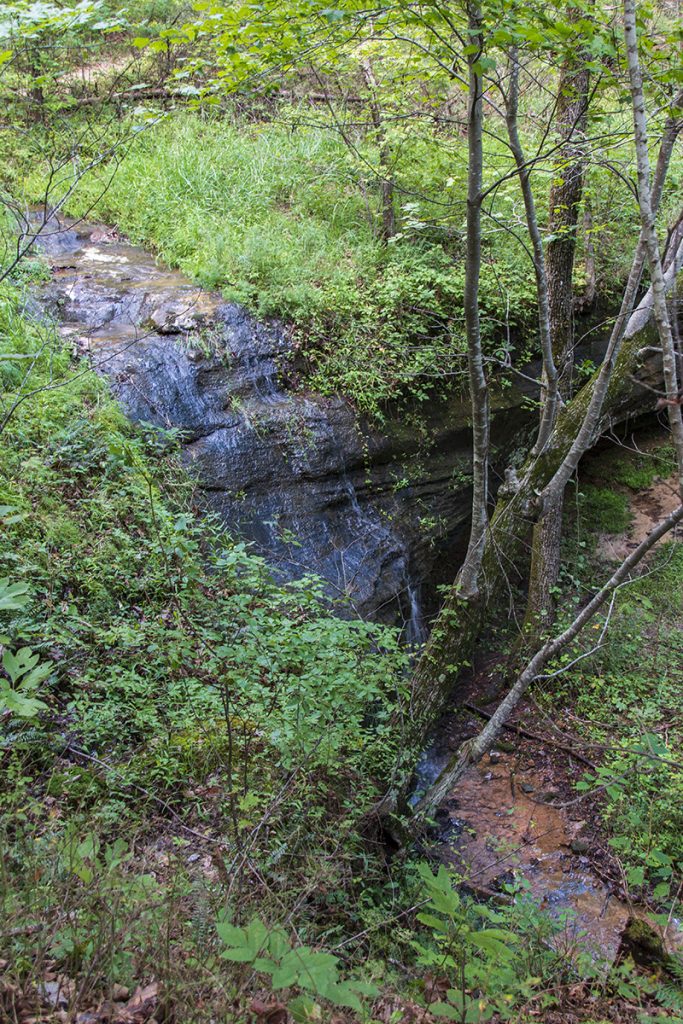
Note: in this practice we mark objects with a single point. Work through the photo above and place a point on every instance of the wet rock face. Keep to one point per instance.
(380, 516)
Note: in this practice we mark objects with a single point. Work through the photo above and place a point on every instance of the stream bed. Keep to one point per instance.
(499, 825)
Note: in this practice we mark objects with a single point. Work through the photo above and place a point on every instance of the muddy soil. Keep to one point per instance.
(517, 814)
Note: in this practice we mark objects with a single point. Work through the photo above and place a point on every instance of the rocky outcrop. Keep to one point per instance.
(381, 516)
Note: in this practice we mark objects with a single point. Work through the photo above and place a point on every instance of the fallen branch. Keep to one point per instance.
(473, 750)
(543, 740)
(154, 92)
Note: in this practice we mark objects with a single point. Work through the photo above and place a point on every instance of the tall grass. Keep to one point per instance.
(269, 215)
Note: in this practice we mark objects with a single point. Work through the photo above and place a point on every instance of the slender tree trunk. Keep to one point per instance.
(591, 289)
(565, 201)
(467, 583)
(549, 384)
(649, 234)
(386, 182)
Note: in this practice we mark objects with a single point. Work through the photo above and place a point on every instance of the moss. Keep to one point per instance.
(602, 510)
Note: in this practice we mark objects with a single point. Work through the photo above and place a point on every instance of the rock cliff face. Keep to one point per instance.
(381, 516)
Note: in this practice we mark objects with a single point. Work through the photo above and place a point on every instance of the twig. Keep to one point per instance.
(69, 749)
(532, 735)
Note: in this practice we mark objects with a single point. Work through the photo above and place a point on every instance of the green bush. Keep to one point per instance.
(151, 621)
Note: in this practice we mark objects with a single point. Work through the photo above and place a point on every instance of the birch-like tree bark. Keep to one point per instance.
(467, 583)
(649, 235)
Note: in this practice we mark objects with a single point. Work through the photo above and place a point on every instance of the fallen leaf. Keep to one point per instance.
(269, 1013)
(140, 1007)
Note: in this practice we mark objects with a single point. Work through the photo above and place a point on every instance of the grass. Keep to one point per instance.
(274, 210)
(274, 217)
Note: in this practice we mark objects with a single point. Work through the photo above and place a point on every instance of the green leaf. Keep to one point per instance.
(278, 943)
(343, 995)
(239, 956)
(436, 923)
(262, 963)
(303, 1009)
(445, 1010)
(231, 935)
(256, 936)
(13, 595)
(17, 703)
(285, 975)
(636, 876)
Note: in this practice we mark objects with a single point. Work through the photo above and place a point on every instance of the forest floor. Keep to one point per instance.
(516, 815)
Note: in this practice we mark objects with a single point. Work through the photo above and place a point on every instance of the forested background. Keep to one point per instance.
(372, 713)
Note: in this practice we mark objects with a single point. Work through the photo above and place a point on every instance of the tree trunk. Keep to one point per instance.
(544, 573)
(467, 583)
(386, 182)
(649, 233)
(626, 381)
(590, 291)
(564, 208)
(565, 201)
(613, 392)
(549, 383)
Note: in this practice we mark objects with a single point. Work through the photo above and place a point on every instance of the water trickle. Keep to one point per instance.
(415, 630)
(491, 828)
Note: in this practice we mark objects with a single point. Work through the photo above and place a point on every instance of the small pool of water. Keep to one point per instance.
(496, 826)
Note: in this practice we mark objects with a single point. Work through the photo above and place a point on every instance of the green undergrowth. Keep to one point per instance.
(275, 217)
(160, 694)
(270, 207)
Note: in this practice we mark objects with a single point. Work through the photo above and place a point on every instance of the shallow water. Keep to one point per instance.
(496, 827)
